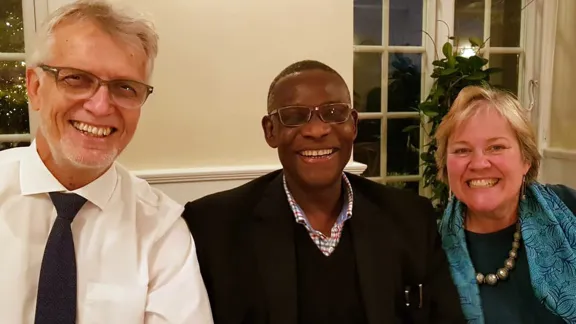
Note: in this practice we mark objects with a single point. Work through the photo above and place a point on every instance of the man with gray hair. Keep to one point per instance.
(83, 240)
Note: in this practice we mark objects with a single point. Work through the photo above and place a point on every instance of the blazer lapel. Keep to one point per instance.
(377, 259)
(274, 245)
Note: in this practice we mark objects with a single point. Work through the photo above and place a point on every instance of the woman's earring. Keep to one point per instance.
(450, 195)
(523, 188)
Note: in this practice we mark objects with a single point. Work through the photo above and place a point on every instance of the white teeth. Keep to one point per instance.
(316, 153)
(92, 130)
(482, 183)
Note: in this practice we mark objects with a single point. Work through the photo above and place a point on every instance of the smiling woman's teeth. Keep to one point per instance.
(482, 183)
(92, 130)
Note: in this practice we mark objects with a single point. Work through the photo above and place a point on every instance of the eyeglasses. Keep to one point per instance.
(333, 113)
(79, 84)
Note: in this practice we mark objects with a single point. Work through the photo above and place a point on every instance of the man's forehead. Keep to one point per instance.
(78, 43)
(311, 85)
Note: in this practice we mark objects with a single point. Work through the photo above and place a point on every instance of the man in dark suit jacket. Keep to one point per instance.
(310, 243)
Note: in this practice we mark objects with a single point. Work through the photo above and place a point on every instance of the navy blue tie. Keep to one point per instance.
(56, 302)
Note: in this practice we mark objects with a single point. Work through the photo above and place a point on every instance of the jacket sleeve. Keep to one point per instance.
(445, 301)
(566, 194)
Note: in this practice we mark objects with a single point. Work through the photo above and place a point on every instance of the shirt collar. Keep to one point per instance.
(35, 178)
(345, 214)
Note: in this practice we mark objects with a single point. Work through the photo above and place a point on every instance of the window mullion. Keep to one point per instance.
(384, 88)
(487, 25)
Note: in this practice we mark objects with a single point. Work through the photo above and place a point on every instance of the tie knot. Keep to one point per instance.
(67, 204)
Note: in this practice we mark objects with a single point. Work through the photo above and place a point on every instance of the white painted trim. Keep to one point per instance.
(12, 56)
(558, 166)
(549, 22)
(445, 11)
(229, 173)
(559, 154)
(389, 49)
(6, 138)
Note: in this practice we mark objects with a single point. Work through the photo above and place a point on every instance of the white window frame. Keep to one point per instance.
(427, 52)
(534, 71)
(546, 40)
(537, 44)
(31, 10)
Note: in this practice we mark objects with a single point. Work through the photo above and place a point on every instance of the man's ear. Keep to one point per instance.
(269, 131)
(32, 87)
(354, 116)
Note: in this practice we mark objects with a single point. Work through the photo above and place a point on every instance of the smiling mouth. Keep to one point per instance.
(91, 130)
(483, 183)
(318, 154)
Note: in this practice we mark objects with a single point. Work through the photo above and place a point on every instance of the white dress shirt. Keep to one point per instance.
(136, 259)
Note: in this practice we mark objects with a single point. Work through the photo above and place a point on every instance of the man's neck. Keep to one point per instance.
(321, 206)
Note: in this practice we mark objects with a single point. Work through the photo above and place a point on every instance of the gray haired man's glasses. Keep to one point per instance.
(332, 113)
(79, 84)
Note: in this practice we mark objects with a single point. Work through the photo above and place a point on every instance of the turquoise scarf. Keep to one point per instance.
(549, 237)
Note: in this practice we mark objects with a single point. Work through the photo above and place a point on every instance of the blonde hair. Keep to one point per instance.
(474, 99)
(120, 24)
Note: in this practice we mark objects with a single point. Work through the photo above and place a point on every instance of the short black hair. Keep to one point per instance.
(300, 66)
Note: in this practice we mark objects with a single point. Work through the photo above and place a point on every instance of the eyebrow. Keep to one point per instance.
(321, 104)
(490, 140)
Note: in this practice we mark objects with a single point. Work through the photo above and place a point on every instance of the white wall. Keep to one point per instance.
(200, 130)
(563, 114)
(559, 165)
(216, 61)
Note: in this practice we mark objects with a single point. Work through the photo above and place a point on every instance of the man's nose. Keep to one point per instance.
(99, 104)
(315, 128)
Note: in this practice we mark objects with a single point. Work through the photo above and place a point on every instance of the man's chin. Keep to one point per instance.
(89, 159)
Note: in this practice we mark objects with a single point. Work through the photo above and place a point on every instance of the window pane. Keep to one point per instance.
(468, 21)
(404, 81)
(508, 78)
(8, 145)
(412, 186)
(505, 23)
(13, 100)
(403, 147)
(368, 22)
(367, 146)
(11, 26)
(367, 81)
(406, 22)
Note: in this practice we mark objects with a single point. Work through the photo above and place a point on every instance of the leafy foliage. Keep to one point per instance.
(452, 73)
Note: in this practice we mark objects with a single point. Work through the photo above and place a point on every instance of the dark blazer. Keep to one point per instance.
(245, 245)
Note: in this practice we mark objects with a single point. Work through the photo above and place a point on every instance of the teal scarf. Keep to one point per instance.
(549, 237)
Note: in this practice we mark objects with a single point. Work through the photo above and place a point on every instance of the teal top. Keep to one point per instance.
(510, 301)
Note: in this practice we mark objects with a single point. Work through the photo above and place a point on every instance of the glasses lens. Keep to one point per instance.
(128, 94)
(76, 83)
(294, 116)
(334, 113)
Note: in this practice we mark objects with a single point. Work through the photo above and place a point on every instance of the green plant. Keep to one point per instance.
(452, 73)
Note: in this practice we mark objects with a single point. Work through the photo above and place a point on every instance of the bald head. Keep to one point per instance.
(297, 68)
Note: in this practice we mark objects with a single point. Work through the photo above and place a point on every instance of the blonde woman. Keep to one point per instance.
(510, 241)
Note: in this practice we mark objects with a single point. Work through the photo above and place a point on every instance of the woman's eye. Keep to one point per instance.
(497, 148)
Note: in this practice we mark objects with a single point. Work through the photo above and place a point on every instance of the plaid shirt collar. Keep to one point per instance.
(345, 214)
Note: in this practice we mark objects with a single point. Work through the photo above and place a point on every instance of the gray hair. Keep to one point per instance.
(129, 27)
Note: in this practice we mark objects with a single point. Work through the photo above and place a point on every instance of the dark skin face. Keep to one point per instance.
(314, 183)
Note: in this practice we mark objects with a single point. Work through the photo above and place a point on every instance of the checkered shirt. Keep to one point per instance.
(324, 243)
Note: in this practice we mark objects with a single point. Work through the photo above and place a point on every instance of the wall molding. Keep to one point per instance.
(224, 173)
(558, 166)
(559, 154)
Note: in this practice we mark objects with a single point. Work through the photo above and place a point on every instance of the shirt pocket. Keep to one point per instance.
(113, 304)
